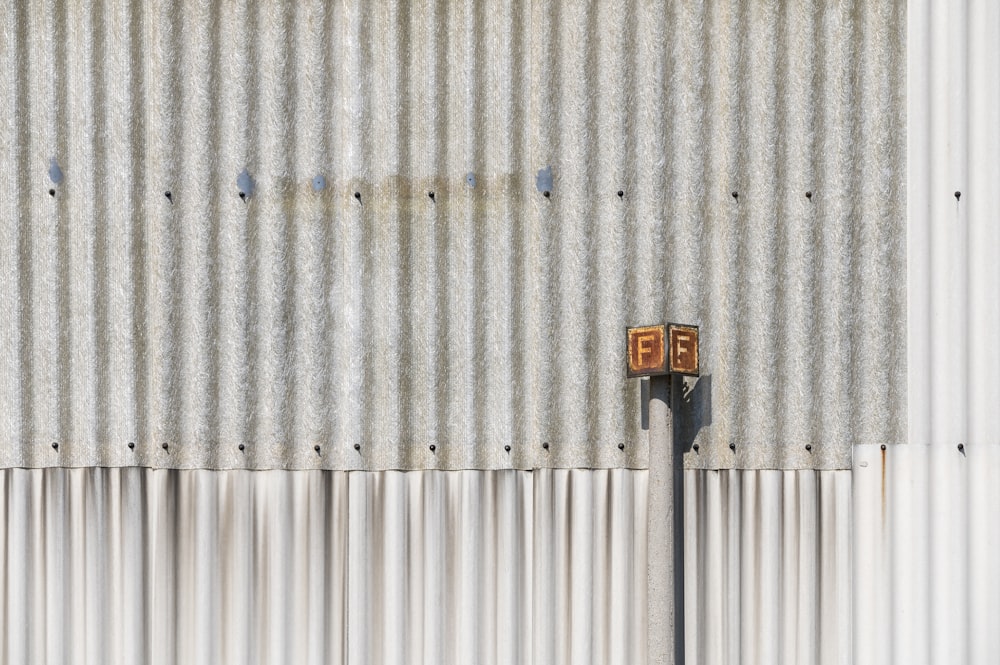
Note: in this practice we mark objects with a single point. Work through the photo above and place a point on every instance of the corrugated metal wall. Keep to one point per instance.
(954, 146)
(133, 565)
(486, 316)
(768, 567)
(492, 315)
(143, 566)
(927, 584)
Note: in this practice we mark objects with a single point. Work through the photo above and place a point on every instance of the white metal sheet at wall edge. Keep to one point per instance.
(489, 315)
(953, 130)
(768, 567)
(167, 566)
(927, 583)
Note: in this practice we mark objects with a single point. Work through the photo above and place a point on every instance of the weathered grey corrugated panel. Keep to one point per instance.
(954, 143)
(768, 567)
(927, 585)
(136, 565)
(489, 316)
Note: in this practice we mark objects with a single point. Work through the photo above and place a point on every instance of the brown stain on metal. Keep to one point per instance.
(883, 484)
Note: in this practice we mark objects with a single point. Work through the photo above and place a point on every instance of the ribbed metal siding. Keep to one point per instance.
(488, 316)
(141, 566)
(927, 585)
(927, 589)
(953, 103)
(131, 565)
(768, 567)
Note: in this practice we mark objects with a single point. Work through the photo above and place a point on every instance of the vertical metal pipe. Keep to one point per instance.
(665, 516)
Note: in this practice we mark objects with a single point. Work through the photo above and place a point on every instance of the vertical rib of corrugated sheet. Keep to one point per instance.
(767, 566)
(17, 381)
(430, 293)
(926, 587)
(954, 155)
(546, 567)
(133, 565)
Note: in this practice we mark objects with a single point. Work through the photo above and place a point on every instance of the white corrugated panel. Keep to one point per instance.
(768, 567)
(927, 583)
(141, 566)
(486, 316)
(132, 565)
(953, 106)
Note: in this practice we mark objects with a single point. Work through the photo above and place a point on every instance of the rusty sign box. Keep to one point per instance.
(662, 349)
(682, 349)
(647, 351)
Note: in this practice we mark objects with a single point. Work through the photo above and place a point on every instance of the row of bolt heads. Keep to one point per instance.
(357, 195)
(621, 446)
(357, 446)
(433, 197)
(246, 184)
(732, 446)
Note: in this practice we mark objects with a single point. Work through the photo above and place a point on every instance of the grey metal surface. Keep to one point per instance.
(118, 566)
(487, 316)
